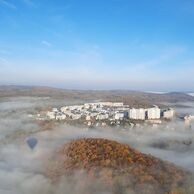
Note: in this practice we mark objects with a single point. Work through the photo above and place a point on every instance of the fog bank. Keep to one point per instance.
(22, 170)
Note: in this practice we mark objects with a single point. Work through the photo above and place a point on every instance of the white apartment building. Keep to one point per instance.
(153, 113)
(117, 104)
(101, 104)
(137, 114)
(168, 114)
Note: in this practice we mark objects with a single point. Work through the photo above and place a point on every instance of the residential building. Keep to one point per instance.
(102, 116)
(137, 114)
(51, 115)
(168, 114)
(153, 113)
(119, 116)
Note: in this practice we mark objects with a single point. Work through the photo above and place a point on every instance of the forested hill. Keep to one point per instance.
(132, 98)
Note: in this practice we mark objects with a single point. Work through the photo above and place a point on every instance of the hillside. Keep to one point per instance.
(132, 98)
(118, 166)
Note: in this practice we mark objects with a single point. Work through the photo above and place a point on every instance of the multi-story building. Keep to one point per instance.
(137, 114)
(168, 114)
(153, 113)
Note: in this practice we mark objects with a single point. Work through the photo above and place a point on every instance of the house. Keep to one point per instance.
(67, 113)
(75, 116)
(102, 116)
(119, 116)
(88, 118)
(64, 108)
(51, 115)
(60, 116)
(54, 110)
(86, 105)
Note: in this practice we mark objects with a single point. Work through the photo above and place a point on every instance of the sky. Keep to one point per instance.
(98, 44)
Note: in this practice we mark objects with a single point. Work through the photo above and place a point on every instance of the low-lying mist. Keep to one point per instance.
(22, 170)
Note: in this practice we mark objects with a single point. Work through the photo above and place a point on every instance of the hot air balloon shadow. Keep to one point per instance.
(32, 142)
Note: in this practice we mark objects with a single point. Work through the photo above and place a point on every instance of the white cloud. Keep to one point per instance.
(29, 3)
(8, 4)
(3, 61)
(4, 52)
(46, 43)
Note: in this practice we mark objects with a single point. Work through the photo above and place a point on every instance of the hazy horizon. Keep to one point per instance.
(190, 92)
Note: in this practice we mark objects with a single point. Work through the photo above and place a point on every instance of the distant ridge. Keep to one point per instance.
(132, 98)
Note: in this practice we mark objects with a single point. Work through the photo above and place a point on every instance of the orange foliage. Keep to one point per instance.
(110, 159)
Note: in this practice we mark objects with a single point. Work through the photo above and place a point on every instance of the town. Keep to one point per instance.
(107, 114)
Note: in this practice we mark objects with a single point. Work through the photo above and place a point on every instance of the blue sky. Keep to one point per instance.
(98, 44)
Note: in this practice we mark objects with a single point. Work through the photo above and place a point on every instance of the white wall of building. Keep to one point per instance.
(137, 114)
(119, 116)
(168, 114)
(51, 115)
(153, 113)
(102, 116)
